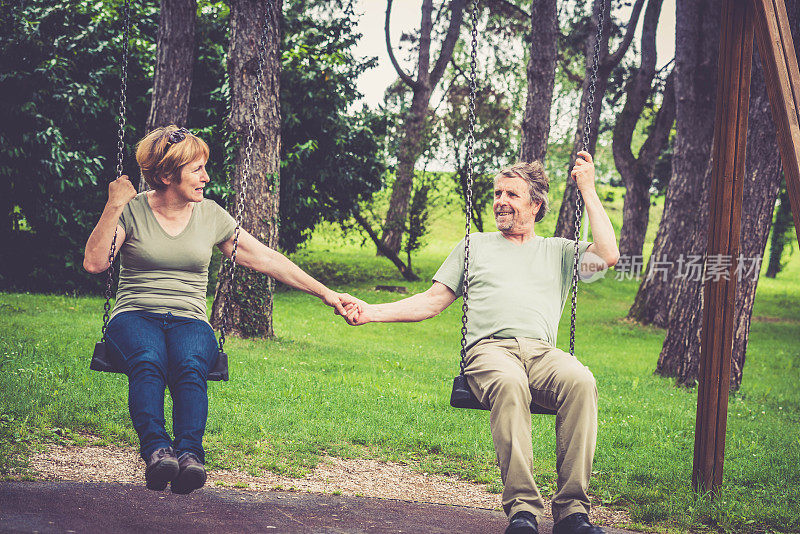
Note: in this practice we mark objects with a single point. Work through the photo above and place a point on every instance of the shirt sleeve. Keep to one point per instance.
(126, 218)
(224, 223)
(451, 273)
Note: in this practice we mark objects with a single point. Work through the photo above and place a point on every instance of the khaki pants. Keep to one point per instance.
(505, 375)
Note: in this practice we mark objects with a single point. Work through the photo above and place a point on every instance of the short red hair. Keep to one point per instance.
(159, 159)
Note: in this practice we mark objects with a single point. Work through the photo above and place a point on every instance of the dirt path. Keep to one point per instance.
(332, 478)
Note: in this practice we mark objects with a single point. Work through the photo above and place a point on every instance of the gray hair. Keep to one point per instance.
(538, 183)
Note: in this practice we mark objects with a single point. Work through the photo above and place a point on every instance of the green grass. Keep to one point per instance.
(382, 391)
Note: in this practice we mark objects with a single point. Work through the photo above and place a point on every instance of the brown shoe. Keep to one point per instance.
(192, 474)
(161, 468)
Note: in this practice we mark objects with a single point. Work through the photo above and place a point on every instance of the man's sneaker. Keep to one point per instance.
(192, 474)
(576, 524)
(523, 523)
(162, 467)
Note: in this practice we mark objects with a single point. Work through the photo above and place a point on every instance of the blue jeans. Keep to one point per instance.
(161, 350)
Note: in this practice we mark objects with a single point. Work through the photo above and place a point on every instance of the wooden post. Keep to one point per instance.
(728, 153)
(775, 46)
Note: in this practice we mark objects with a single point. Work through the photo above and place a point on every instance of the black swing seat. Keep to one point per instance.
(103, 360)
(463, 397)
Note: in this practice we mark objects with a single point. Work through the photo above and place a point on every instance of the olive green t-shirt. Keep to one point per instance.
(162, 273)
(514, 290)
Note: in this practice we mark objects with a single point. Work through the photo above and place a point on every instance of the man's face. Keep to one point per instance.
(514, 212)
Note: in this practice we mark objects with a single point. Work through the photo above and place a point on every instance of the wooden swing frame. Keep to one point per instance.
(742, 20)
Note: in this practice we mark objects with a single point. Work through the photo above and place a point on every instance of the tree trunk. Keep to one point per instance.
(682, 345)
(783, 221)
(541, 77)
(761, 188)
(565, 226)
(416, 118)
(683, 228)
(637, 172)
(175, 51)
(408, 152)
(250, 310)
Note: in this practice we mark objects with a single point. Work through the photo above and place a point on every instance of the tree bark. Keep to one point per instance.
(761, 187)
(250, 310)
(175, 51)
(565, 226)
(681, 351)
(541, 78)
(637, 172)
(416, 118)
(682, 231)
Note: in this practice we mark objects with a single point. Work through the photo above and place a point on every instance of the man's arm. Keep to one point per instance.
(604, 248)
(418, 307)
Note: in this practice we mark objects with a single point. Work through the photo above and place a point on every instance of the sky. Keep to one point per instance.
(406, 17)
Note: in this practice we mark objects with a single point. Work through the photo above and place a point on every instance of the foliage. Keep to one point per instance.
(59, 82)
(58, 90)
(332, 158)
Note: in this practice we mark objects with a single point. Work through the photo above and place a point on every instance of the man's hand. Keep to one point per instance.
(338, 301)
(583, 172)
(356, 314)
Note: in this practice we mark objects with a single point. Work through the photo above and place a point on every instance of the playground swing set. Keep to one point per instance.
(741, 22)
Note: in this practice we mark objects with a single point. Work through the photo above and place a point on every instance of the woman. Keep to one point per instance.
(159, 323)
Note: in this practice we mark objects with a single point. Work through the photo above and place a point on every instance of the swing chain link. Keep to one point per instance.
(123, 90)
(264, 40)
(587, 129)
(469, 158)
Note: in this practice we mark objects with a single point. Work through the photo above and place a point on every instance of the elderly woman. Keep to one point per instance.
(159, 324)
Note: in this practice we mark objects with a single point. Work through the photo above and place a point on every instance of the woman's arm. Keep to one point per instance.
(98, 246)
(252, 253)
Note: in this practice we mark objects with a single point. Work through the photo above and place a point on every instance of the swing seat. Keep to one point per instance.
(463, 397)
(108, 361)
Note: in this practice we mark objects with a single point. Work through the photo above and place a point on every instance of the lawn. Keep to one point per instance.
(382, 391)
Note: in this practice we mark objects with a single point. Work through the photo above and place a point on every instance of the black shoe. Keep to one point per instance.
(192, 474)
(523, 523)
(576, 524)
(161, 468)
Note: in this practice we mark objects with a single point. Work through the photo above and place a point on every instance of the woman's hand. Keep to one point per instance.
(120, 192)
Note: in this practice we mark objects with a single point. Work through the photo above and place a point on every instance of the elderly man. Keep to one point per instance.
(518, 284)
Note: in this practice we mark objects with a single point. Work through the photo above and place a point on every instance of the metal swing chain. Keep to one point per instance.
(587, 128)
(123, 90)
(470, 152)
(231, 270)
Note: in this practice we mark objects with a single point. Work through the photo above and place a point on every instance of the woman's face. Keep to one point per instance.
(193, 179)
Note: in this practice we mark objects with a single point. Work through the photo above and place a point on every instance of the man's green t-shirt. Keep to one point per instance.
(514, 290)
(162, 273)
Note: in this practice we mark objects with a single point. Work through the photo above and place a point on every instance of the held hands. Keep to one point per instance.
(120, 192)
(343, 303)
(356, 315)
(583, 172)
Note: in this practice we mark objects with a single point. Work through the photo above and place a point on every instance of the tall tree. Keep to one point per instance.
(415, 121)
(782, 232)
(541, 77)
(607, 62)
(685, 219)
(637, 171)
(172, 80)
(250, 310)
(680, 353)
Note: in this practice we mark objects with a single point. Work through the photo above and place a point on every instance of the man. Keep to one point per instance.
(518, 284)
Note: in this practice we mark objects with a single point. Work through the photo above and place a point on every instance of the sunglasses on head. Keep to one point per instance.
(177, 136)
